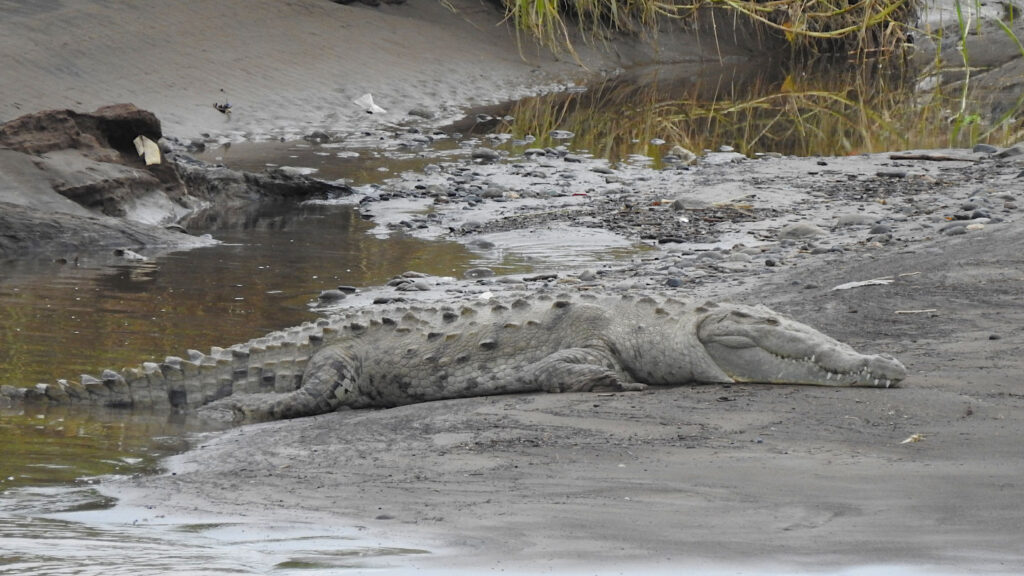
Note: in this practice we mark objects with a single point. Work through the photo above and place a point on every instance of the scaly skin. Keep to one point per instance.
(404, 355)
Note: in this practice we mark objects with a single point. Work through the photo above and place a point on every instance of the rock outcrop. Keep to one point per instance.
(73, 179)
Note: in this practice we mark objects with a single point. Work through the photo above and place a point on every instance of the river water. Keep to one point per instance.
(62, 319)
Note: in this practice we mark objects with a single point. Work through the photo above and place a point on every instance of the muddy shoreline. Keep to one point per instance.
(708, 478)
(744, 477)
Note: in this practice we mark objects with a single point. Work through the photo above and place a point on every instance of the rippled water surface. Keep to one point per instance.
(61, 530)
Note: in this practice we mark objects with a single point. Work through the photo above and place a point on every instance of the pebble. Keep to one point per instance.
(422, 113)
(486, 155)
(690, 204)
(674, 282)
(856, 220)
(891, 173)
(561, 134)
(880, 229)
(328, 296)
(800, 230)
(954, 228)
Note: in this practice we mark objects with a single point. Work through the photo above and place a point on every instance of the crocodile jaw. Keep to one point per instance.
(756, 345)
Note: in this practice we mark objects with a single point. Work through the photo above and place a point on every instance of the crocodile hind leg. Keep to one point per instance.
(578, 370)
(328, 380)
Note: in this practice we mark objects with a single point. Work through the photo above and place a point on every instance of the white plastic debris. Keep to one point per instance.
(873, 282)
(366, 103)
(148, 149)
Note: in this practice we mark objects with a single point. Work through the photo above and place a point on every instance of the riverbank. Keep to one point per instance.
(760, 479)
(924, 478)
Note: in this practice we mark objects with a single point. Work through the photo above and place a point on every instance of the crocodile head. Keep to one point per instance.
(754, 344)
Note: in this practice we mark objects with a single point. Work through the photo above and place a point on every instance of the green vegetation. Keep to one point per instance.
(817, 26)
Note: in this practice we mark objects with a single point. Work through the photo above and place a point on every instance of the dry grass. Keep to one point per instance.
(818, 26)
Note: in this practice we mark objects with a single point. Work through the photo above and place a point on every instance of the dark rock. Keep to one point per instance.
(674, 282)
(422, 113)
(891, 173)
(485, 155)
(317, 137)
(985, 149)
(98, 134)
(328, 296)
(541, 277)
(955, 228)
(1015, 150)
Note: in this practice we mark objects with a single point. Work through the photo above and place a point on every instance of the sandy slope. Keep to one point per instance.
(283, 65)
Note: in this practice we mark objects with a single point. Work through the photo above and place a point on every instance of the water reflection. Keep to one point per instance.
(58, 321)
(58, 445)
(818, 108)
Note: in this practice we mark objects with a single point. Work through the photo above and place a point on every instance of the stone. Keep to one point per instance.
(856, 220)
(684, 203)
(800, 230)
(485, 155)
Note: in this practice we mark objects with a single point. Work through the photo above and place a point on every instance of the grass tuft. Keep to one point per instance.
(864, 27)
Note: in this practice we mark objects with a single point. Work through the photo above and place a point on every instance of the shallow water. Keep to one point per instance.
(61, 530)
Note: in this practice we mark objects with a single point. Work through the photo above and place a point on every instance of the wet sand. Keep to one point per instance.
(711, 478)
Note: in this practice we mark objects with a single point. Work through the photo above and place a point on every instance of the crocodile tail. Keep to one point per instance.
(273, 363)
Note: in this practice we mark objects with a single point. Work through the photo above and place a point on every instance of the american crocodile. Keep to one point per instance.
(402, 355)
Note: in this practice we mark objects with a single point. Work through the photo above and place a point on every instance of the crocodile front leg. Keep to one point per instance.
(578, 370)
